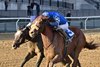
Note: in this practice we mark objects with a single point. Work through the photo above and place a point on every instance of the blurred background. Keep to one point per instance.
(23, 9)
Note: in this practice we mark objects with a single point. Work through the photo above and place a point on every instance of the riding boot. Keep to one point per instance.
(63, 33)
(66, 37)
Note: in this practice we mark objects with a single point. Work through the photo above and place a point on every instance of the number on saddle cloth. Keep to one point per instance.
(69, 33)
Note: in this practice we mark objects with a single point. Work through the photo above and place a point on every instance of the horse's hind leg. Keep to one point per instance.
(27, 58)
(66, 60)
(40, 57)
(57, 58)
(76, 55)
(72, 56)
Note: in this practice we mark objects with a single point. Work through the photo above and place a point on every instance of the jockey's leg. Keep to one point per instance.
(67, 31)
(70, 34)
(62, 32)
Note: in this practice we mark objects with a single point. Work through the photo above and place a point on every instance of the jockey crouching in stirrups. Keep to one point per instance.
(57, 20)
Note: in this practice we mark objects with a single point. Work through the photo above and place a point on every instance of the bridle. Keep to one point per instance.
(45, 23)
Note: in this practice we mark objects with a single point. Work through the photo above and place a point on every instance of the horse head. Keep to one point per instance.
(37, 26)
(20, 37)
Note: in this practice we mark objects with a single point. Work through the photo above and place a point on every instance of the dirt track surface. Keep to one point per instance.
(13, 58)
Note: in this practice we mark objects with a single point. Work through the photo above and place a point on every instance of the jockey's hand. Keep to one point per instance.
(54, 24)
(58, 28)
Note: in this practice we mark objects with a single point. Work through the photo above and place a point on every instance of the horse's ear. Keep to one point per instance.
(44, 17)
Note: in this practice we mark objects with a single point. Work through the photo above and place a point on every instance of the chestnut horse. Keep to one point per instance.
(54, 45)
(35, 46)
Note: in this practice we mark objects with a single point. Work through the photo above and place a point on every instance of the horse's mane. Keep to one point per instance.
(40, 19)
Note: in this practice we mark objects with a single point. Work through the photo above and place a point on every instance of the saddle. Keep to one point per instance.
(62, 33)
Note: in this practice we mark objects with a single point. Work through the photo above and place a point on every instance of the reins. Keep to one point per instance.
(26, 41)
(51, 41)
(45, 23)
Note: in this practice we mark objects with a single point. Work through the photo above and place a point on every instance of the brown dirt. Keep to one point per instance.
(13, 58)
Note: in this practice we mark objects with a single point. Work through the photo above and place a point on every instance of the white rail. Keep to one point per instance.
(85, 17)
(17, 20)
(22, 18)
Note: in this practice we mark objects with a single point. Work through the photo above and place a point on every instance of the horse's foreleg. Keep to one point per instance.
(47, 62)
(56, 59)
(27, 58)
(40, 57)
(75, 62)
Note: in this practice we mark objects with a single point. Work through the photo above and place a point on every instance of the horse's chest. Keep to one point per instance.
(49, 51)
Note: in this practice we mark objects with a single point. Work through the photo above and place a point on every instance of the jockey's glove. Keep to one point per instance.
(59, 28)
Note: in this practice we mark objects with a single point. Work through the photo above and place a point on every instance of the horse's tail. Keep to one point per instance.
(90, 45)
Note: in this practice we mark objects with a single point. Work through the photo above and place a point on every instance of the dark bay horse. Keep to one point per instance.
(53, 43)
(35, 46)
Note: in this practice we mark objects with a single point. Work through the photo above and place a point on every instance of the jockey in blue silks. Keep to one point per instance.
(59, 22)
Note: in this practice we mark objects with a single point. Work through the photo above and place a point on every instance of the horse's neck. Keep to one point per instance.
(31, 39)
(27, 37)
(47, 37)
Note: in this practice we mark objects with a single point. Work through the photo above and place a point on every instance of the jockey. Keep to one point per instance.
(60, 23)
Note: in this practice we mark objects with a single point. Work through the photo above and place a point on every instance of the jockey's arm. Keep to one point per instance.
(57, 21)
(54, 24)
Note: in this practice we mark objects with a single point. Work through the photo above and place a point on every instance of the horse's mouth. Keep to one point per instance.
(14, 47)
(33, 37)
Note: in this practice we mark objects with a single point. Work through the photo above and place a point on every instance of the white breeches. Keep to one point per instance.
(64, 26)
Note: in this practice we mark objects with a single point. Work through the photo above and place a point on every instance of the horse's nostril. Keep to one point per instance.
(13, 46)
